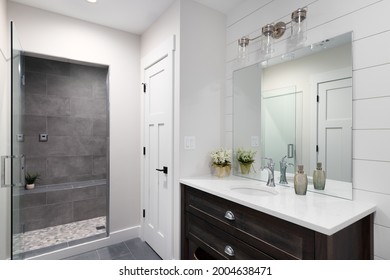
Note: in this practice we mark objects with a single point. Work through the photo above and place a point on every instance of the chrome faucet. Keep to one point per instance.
(270, 168)
(283, 168)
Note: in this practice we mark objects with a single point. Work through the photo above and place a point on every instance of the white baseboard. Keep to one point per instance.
(113, 238)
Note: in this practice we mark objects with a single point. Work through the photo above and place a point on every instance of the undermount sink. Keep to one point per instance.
(254, 190)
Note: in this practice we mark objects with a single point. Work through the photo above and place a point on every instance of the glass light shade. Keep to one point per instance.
(298, 26)
(243, 48)
(267, 40)
(267, 45)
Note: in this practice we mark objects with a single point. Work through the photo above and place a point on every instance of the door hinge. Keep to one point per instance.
(144, 151)
(143, 213)
(318, 98)
(144, 87)
(23, 80)
(317, 148)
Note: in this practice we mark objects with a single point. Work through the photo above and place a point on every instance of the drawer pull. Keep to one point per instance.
(230, 216)
(229, 251)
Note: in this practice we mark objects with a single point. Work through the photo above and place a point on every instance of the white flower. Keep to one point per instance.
(221, 157)
(245, 156)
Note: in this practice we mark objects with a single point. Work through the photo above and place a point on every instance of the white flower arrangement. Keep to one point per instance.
(245, 156)
(221, 157)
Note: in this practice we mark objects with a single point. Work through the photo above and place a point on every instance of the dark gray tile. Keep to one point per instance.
(101, 190)
(88, 107)
(42, 65)
(113, 252)
(87, 72)
(69, 126)
(30, 200)
(59, 196)
(57, 106)
(141, 250)
(67, 166)
(58, 85)
(92, 255)
(36, 165)
(90, 208)
(68, 86)
(99, 89)
(34, 125)
(83, 193)
(99, 165)
(58, 214)
(100, 127)
(35, 83)
(98, 146)
(42, 105)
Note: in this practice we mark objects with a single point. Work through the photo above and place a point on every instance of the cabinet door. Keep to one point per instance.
(278, 238)
(218, 243)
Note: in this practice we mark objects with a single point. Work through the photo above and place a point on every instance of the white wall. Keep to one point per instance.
(4, 127)
(59, 36)
(198, 90)
(202, 84)
(371, 97)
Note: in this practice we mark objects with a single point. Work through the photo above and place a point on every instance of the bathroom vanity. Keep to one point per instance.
(235, 218)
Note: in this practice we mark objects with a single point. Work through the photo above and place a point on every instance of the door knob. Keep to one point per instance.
(164, 170)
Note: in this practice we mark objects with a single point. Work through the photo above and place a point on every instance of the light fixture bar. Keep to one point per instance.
(277, 30)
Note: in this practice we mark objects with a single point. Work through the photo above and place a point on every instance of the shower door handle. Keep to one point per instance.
(22, 170)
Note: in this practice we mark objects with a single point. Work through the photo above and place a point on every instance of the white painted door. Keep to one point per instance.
(158, 158)
(335, 128)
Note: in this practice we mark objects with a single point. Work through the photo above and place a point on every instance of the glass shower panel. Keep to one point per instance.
(17, 141)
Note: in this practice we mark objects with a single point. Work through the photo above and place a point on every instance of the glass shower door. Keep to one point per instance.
(12, 165)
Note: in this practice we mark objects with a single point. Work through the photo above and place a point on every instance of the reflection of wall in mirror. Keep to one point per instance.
(299, 72)
(247, 101)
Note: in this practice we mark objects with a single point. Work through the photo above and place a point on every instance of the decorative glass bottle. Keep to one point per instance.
(319, 177)
(300, 181)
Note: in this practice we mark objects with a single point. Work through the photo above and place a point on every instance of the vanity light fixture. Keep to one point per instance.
(270, 32)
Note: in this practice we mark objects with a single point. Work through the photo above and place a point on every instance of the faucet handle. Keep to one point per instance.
(283, 161)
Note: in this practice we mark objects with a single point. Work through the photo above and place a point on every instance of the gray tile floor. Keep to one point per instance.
(134, 249)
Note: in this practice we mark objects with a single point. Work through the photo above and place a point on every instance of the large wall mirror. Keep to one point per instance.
(298, 106)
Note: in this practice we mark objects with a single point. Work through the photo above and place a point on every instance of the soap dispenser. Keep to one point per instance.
(319, 177)
(300, 181)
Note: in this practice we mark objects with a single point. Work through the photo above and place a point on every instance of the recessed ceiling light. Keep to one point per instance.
(92, 1)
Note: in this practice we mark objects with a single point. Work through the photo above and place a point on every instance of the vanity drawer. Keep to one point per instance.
(218, 243)
(277, 238)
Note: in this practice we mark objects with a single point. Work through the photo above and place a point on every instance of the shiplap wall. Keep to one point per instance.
(368, 19)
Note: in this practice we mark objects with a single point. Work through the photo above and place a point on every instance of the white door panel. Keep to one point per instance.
(335, 128)
(158, 138)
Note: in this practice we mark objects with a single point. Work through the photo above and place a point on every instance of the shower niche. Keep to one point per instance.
(67, 102)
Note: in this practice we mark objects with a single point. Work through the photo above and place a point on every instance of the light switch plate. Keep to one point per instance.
(189, 143)
(255, 141)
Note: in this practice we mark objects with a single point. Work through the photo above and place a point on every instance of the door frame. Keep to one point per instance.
(316, 79)
(165, 50)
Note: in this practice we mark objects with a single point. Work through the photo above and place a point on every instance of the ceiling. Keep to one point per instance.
(133, 16)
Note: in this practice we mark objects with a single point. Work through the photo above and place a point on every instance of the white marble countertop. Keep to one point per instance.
(322, 213)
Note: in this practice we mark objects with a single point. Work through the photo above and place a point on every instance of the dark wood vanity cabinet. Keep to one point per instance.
(216, 228)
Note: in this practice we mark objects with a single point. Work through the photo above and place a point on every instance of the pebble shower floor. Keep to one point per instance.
(51, 236)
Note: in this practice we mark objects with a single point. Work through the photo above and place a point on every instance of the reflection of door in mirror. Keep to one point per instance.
(278, 124)
(335, 128)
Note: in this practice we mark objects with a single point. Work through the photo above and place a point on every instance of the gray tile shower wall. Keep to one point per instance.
(59, 204)
(67, 101)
